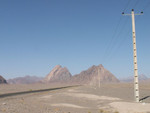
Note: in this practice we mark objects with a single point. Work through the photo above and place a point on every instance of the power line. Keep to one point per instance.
(146, 6)
(135, 4)
(114, 42)
(127, 5)
(112, 46)
(123, 40)
(121, 43)
(117, 36)
(112, 38)
(115, 32)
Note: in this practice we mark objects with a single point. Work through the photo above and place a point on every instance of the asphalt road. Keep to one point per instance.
(33, 91)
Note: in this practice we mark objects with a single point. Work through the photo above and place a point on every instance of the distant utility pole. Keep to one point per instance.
(99, 77)
(136, 84)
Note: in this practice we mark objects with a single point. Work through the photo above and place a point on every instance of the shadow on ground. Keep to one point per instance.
(144, 98)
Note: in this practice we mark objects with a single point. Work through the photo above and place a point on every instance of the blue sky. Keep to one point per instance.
(36, 35)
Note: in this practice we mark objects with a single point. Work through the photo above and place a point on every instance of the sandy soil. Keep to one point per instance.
(109, 98)
(128, 107)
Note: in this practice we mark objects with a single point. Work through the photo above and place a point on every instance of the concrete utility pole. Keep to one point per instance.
(99, 77)
(136, 84)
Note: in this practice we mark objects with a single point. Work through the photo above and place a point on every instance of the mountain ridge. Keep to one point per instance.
(58, 74)
(2, 80)
(91, 76)
(24, 80)
(141, 77)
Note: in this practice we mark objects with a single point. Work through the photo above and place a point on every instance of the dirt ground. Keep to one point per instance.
(109, 98)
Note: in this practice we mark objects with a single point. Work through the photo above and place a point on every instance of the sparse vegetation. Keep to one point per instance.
(30, 89)
(101, 111)
(105, 111)
(116, 112)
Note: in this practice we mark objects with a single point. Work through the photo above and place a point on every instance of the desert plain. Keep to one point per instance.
(108, 98)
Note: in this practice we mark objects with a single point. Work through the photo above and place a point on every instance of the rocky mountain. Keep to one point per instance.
(142, 77)
(90, 76)
(93, 75)
(58, 74)
(2, 80)
(24, 80)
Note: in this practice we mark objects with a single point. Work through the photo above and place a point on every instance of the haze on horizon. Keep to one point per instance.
(39, 34)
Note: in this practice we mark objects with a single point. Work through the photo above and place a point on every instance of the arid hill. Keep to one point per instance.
(93, 75)
(24, 80)
(2, 80)
(58, 74)
(89, 76)
(141, 77)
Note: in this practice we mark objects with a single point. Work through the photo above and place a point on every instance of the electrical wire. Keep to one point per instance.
(121, 43)
(136, 3)
(112, 40)
(146, 6)
(115, 47)
(127, 5)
